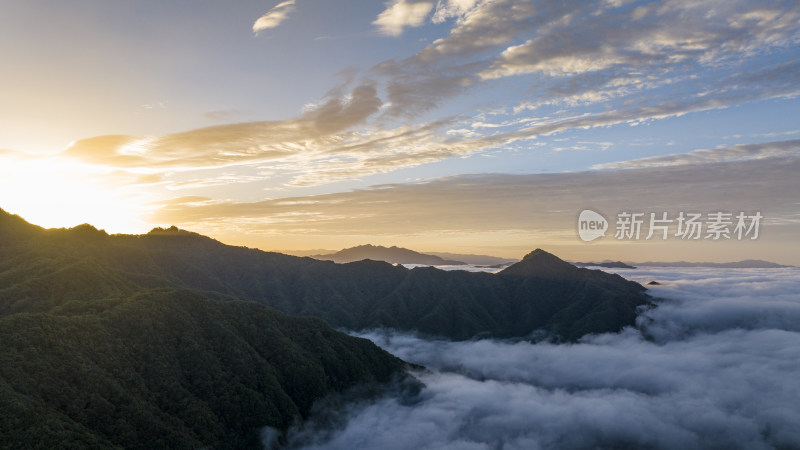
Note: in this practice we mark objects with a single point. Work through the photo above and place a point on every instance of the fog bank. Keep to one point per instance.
(714, 365)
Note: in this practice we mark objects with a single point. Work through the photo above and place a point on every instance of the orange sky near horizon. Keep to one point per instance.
(454, 126)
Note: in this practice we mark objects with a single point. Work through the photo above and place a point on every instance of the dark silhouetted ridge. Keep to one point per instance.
(540, 263)
(87, 231)
(393, 254)
(539, 293)
(144, 341)
(173, 231)
(744, 264)
(13, 226)
(607, 264)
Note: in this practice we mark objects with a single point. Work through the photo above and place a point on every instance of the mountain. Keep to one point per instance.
(608, 264)
(744, 264)
(171, 339)
(394, 255)
(475, 260)
(539, 293)
(311, 252)
(102, 347)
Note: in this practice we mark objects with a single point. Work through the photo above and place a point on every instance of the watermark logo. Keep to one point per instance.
(713, 226)
(591, 225)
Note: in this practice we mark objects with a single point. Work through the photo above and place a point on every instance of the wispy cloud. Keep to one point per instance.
(619, 50)
(525, 210)
(332, 140)
(235, 144)
(274, 16)
(224, 115)
(401, 14)
(655, 36)
(446, 9)
(706, 156)
(584, 65)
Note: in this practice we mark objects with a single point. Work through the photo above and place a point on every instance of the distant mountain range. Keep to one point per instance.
(744, 264)
(394, 255)
(539, 292)
(608, 264)
(311, 252)
(476, 260)
(400, 255)
(171, 339)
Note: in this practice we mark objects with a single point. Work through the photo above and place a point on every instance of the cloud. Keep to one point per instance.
(619, 50)
(447, 66)
(487, 26)
(234, 144)
(336, 115)
(646, 62)
(706, 156)
(274, 16)
(15, 155)
(446, 9)
(112, 150)
(653, 104)
(224, 115)
(333, 141)
(723, 385)
(714, 301)
(654, 36)
(585, 145)
(223, 179)
(401, 14)
(539, 206)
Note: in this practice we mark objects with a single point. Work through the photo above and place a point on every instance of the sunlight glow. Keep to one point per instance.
(55, 192)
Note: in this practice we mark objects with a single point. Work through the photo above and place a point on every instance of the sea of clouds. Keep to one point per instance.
(716, 365)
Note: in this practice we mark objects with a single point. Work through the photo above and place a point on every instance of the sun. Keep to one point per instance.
(56, 192)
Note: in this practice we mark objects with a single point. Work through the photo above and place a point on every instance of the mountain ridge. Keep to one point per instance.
(102, 349)
(743, 264)
(474, 259)
(172, 339)
(606, 264)
(551, 295)
(393, 254)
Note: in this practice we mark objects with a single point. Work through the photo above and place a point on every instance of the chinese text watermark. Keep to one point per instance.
(713, 226)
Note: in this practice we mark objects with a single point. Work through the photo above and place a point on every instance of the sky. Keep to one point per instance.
(452, 125)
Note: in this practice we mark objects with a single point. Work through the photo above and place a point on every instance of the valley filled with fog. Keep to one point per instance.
(714, 365)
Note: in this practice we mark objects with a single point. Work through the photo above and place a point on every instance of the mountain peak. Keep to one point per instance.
(540, 262)
(172, 231)
(393, 254)
(13, 226)
(87, 231)
(539, 253)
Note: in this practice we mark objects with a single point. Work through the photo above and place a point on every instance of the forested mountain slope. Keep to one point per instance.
(541, 292)
(101, 347)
